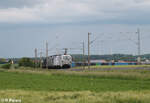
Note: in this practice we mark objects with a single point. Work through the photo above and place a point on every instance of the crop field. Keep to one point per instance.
(103, 85)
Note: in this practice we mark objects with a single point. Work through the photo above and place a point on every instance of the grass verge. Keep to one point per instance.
(77, 97)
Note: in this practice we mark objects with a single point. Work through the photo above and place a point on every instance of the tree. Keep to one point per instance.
(3, 61)
(26, 62)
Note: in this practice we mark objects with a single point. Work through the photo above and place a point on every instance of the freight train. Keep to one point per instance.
(57, 61)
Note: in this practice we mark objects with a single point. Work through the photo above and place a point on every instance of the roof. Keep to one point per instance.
(98, 61)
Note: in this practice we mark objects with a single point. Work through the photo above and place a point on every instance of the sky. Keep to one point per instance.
(29, 24)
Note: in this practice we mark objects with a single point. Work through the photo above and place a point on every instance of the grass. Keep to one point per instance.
(116, 66)
(69, 82)
(66, 86)
(1, 65)
(77, 97)
(134, 74)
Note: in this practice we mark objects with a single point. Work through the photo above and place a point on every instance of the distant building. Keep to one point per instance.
(98, 61)
(121, 61)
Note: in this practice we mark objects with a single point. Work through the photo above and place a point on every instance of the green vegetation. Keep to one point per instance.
(26, 62)
(116, 66)
(56, 81)
(77, 97)
(116, 57)
(3, 61)
(6, 66)
(66, 86)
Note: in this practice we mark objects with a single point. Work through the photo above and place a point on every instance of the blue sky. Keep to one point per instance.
(28, 24)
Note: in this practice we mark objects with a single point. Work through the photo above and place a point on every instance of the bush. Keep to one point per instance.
(26, 62)
(6, 66)
(16, 66)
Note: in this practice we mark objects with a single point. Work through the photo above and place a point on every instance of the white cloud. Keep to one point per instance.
(13, 15)
(66, 11)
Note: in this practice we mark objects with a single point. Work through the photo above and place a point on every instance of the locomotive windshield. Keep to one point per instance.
(66, 58)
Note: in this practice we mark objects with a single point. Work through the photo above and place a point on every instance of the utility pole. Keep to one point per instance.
(139, 46)
(83, 54)
(41, 59)
(111, 53)
(89, 50)
(46, 54)
(35, 61)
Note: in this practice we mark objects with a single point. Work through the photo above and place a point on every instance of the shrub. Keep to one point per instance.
(26, 62)
(6, 66)
(16, 66)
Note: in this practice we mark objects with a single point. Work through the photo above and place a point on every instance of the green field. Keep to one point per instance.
(117, 66)
(65, 86)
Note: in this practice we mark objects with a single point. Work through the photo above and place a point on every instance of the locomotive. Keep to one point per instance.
(57, 61)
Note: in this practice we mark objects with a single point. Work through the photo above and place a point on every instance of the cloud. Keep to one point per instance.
(4, 4)
(14, 15)
(71, 11)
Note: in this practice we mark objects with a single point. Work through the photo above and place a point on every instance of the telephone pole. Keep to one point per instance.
(89, 50)
(46, 54)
